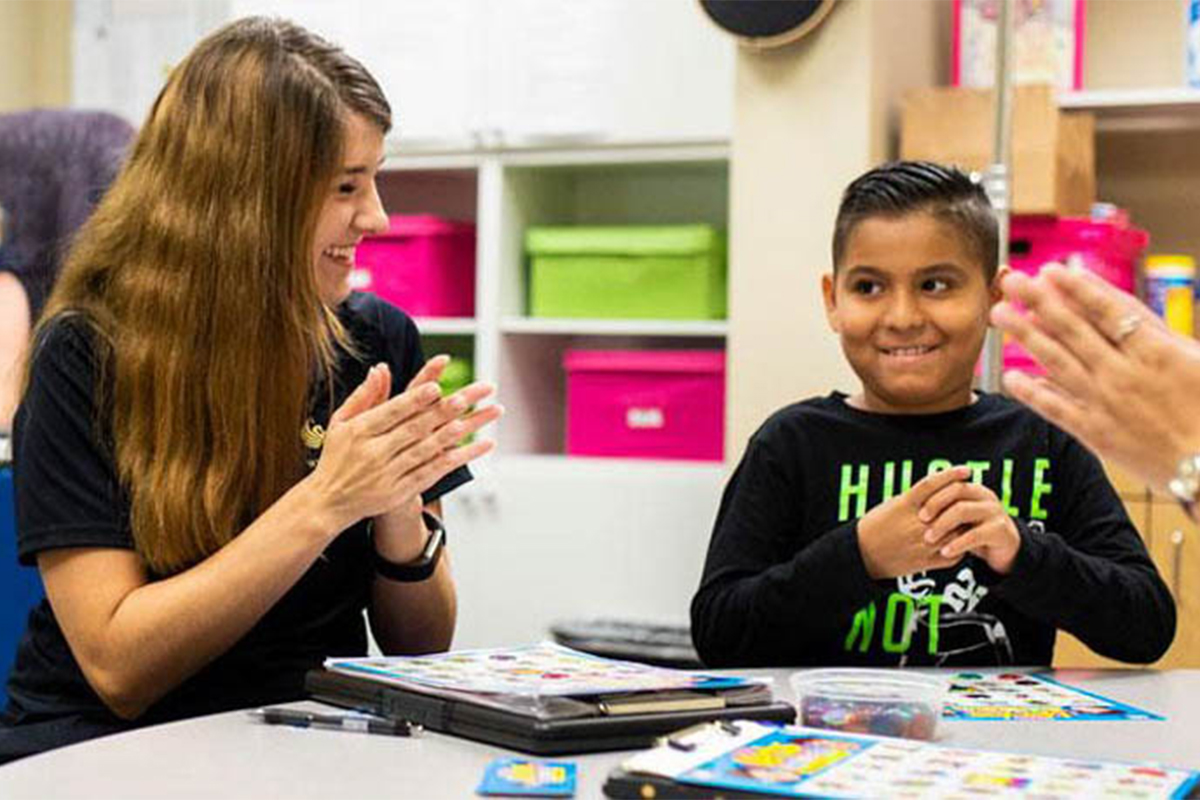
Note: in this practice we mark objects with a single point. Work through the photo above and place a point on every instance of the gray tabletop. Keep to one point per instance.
(230, 755)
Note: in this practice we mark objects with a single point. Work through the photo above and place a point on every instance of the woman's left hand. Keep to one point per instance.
(399, 533)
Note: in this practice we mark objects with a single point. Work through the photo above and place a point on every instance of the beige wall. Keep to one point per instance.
(1153, 170)
(808, 118)
(35, 53)
(1134, 44)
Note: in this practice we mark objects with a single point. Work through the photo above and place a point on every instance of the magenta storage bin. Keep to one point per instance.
(1110, 249)
(423, 263)
(667, 404)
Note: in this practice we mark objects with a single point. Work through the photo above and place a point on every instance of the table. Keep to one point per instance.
(230, 755)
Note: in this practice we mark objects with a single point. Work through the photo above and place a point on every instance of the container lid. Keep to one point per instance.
(712, 361)
(868, 684)
(1068, 232)
(423, 225)
(620, 239)
(1171, 265)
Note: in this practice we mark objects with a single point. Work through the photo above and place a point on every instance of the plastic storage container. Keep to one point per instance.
(1193, 44)
(1110, 248)
(667, 404)
(884, 703)
(1170, 290)
(628, 272)
(425, 264)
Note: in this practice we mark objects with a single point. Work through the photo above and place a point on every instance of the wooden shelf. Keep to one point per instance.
(1137, 109)
(614, 327)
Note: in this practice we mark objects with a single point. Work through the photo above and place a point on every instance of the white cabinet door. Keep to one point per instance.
(122, 50)
(460, 74)
(426, 54)
(537, 540)
(607, 71)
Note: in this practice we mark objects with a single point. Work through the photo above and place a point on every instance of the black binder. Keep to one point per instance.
(563, 726)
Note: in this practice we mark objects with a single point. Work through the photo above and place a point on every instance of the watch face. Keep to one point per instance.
(1186, 483)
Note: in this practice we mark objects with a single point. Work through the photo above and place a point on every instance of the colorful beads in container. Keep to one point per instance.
(883, 703)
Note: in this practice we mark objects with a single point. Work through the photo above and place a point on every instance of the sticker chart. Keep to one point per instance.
(1014, 696)
(806, 762)
(543, 669)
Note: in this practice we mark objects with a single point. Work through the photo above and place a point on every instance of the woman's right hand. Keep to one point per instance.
(380, 453)
(1118, 379)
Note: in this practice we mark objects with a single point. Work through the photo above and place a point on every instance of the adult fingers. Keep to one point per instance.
(1049, 400)
(432, 471)
(430, 372)
(1106, 307)
(387, 415)
(1050, 352)
(445, 437)
(365, 395)
(1060, 320)
(418, 428)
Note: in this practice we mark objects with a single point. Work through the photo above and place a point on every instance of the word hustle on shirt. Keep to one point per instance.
(859, 481)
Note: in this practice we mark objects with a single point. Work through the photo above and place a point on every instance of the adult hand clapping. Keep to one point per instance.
(1118, 379)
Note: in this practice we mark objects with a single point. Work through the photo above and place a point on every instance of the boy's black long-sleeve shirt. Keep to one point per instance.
(784, 582)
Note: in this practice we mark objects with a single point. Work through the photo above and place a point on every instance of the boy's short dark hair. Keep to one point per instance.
(905, 187)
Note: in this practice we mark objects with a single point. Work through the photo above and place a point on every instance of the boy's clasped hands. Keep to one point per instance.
(935, 524)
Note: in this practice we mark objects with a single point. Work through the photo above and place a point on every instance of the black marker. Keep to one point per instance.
(361, 723)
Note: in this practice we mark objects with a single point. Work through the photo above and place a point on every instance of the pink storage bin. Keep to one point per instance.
(1109, 248)
(425, 264)
(662, 404)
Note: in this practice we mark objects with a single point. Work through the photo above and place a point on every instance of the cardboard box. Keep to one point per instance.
(1054, 152)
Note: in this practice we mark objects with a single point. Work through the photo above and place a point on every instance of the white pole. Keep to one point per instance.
(997, 180)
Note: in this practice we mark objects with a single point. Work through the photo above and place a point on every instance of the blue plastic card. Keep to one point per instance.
(522, 777)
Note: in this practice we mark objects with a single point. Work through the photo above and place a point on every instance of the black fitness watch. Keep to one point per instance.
(422, 566)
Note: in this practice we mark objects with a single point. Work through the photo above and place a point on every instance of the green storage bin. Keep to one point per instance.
(627, 272)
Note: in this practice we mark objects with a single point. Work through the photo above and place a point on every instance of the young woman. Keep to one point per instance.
(222, 455)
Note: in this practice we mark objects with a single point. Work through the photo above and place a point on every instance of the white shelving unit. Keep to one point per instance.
(617, 537)
(446, 326)
(505, 192)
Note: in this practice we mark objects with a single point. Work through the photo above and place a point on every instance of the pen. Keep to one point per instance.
(362, 723)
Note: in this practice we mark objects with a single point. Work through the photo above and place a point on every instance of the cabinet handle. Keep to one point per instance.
(1177, 562)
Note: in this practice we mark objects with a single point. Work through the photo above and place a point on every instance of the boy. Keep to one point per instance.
(846, 536)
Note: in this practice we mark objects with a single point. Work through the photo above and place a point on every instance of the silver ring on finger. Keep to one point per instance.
(1126, 327)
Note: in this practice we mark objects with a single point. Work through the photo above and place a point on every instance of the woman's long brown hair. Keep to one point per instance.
(196, 273)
